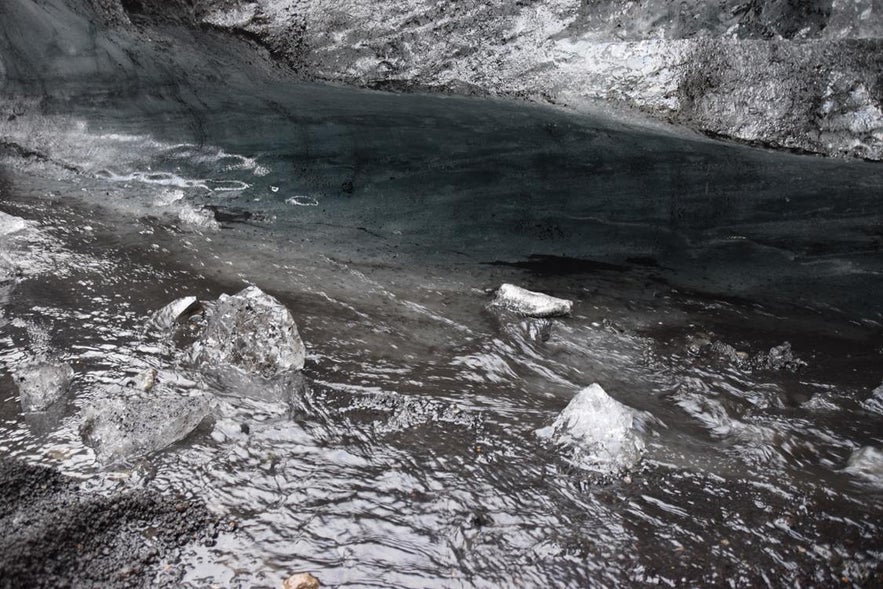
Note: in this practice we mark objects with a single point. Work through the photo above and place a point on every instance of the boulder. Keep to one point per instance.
(41, 384)
(250, 332)
(530, 304)
(597, 432)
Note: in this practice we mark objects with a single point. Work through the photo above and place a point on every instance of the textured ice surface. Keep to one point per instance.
(144, 415)
(867, 462)
(41, 384)
(598, 432)
(732, 67)
(529, 303)
(252, 332)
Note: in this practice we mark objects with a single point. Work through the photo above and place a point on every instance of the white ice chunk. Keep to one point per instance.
(867, 462)
(597, 431)
(875, 401)
(250, 331)
(529, 303)
(198, 219)
(10, 224)
(41, 384)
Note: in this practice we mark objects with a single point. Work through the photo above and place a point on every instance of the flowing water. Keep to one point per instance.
(383, 222)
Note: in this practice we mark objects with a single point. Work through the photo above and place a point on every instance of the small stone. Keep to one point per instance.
(301, 581)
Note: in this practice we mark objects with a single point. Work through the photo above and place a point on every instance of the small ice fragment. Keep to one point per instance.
(199, 219)
(529, 303)
(599, 432)
(41, 384)
(867, 462)
(302, 201)
(172, 313)
(133, 421)
(875, 401)
(10, 224)
(167, 197)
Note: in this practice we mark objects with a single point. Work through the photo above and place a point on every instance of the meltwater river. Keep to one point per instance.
(384, 222)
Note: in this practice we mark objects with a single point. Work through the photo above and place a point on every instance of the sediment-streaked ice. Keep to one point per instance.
(596, 432)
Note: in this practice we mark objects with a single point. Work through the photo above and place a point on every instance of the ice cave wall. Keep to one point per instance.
(799, 75)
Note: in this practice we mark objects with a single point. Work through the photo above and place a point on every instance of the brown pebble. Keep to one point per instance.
(301, 581)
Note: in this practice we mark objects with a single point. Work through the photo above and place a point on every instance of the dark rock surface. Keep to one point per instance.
(55, 535)
(798, 75)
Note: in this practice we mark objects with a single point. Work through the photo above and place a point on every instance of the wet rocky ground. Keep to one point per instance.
(57, 535)
(417, 430)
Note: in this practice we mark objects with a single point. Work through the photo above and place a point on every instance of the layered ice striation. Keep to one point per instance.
(143, 415)
(530, 304)
(41, 384)
(597, 432)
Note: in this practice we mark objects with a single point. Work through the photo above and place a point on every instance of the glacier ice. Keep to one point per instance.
(252, 332)
(597, 432)
(529, 303)
(132, 421)
(41, 384)
(168, 316)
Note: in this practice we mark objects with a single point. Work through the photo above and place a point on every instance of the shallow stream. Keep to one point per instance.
(384, 222)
